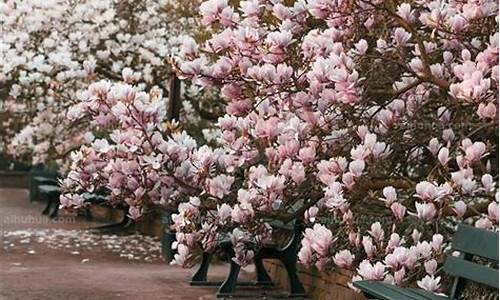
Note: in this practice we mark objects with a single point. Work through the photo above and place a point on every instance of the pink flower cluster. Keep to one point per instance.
(52, 50)
(373, 124)
(310, 103)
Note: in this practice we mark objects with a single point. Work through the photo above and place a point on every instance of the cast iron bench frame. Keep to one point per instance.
(51, 194)
(287, 255)
(39, 175)
(470, 242)
(98, 199)
(36, 181)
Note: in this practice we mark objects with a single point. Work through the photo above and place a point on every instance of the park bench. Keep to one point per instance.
(51, 194)
(36, 182)
(286, 254)
(92, 199)
(200, 276)
(167, 236)
(100, 199)
(45, 180)
(125, 223)
(471, 242)
(8, 164)
(39, 175)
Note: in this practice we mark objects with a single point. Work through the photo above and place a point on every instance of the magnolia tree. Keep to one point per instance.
(51, 50)
(373, 122)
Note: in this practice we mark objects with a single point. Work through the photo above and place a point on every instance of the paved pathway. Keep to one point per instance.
(38, 260)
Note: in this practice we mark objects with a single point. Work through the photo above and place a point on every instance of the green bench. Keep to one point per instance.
(37, 181)
(40, 175)
(287, 254)
(99, 199)
(470, 242)
(51, 194)
(44, 180)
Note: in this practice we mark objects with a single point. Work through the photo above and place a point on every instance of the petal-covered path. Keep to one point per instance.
(42, 259)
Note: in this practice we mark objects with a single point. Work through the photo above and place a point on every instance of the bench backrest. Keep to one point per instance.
(472, 242)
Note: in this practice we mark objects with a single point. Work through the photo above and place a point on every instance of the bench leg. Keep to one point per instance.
(200, 277)
(229, 285)
(125, 223)
(262, 277)
(290, 263)
(32, 188)
(167, 237)
(54, 212)
(46, 210)
(88, 214)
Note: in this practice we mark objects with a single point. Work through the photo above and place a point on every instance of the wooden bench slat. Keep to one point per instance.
(46, 182)
(49, 189)
(281, 225)
(386, 291)
(471, 271)
(44, 178)
(94, 198)
(476, 241)
(468, 240)
(410, 292)
(428, 295)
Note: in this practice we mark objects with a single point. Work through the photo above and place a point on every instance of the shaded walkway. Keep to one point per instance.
(30, 268)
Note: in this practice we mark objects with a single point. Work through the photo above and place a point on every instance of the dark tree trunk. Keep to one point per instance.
(174, 103)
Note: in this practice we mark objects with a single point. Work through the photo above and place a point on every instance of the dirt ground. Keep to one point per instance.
(36, 264)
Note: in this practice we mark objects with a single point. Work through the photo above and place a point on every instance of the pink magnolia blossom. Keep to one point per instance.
(483, 223)
(311, 213)
(343, 259)
(488, 182)
(460, 208)
(434, 146)
(356, 167)
(425, 211)
(316, 118)
(397, 258)
(390, 195)
(401, 37)
(368, 246)
(370, 271)
(220, 185)
(487, 111)
(405, 11)
(376, 232)
(493, 212)
(474, 151)
(399, 276)
(427, 191)
(429, 283)
(321, 238)
(398, 210)
(443, 156)
(134, 212)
